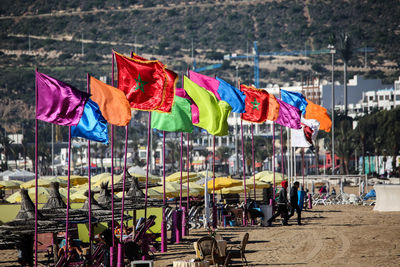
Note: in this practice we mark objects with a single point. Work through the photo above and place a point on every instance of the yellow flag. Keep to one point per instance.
(113, 104)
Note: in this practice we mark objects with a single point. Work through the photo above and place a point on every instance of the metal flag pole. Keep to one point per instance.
(120, 244)
(180, 189)
(164, 223)
(147, 166)
(302, 163)
(282, 159)
(36, 168)
(187, 198)
(112, 173)
(244, 173)
(252, 154)
(273, 161)
(213, 206)
(68, 191)
(89, 181)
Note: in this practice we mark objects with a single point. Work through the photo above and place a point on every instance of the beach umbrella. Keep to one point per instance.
(259, 184)
(31, 183)
(78, 196)
(177, 177)
(268, 177)
(43, 195)
(223, 182)
(76, 179)
(100, 176)
(9, 185)
(107, 179)
(232, 190)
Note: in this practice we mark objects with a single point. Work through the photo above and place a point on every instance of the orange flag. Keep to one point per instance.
(273, 108)
(113, 104)
(319, 113)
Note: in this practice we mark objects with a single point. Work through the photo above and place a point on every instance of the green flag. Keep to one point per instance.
(179, 120)
(213, 114)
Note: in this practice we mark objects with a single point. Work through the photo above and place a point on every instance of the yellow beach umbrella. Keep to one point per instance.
(76, 179)
(100, 176)
(31, 183)
(259, 184)
(43, 195)
(268, 176)
(78, 196)
(117, 178)
(232, 190)
(9, 185)
(223, 182)
(177, 177)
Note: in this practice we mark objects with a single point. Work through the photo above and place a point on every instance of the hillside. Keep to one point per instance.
(66, 39)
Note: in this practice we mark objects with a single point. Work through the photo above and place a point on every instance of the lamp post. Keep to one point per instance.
(332, 51)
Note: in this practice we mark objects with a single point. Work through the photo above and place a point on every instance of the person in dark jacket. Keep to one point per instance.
(281, 205)
(294, 202)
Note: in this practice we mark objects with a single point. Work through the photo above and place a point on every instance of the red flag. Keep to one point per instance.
(256, 104)
(169, 88)
(142, 81)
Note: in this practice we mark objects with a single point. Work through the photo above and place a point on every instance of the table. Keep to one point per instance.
(222, 244)
(191, 264)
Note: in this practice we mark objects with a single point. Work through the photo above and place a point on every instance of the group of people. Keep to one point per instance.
(286, 208)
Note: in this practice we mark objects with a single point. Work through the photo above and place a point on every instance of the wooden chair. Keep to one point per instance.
(209, 251)
(239, 253)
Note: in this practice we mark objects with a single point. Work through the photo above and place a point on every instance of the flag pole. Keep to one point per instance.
(244, 172)
(282, 162)
(36, 168)
(68, 191)
(112, 173)
(302, 163)
(253, 159)
(89, 180)
(180, 189)
(273, 161)
(164, 223)
(214, 207)
(147, 166)
(187, 199)
(120, 244)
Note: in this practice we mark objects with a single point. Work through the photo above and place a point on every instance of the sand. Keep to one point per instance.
(336, 235)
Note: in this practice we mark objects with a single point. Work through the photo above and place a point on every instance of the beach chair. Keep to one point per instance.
(209, 251)
(45, 245)
(240, 251)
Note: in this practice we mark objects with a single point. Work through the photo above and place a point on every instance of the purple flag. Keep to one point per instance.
(58, 102)
(289, 115)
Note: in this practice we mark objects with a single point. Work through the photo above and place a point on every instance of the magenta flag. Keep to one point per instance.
(206, 82)
(195, 110)
(289, 115)
(58, 102)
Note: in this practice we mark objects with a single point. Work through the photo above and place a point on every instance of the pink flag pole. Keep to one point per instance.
(252, 153)
(147, 166)
(164, 223)
(68, 190)
(36, 169)
(120, 245)
(89, 181)
(214, 206)
(282, 162)
(112, 174)
(302, 163)
(180, 190)
(188, 167)
(273, 160)
(244, 177)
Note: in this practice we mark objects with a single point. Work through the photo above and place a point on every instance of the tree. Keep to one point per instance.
(6, 147)
(344, 146)
(223, 153)
(346, 52)
(173, 146)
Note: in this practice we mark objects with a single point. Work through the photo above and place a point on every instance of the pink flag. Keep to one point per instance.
(195, 110)
(58, 102)
(289, 115)
(206, 82)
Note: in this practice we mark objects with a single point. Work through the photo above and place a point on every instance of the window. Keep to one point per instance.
(386, 97)
(397, 97)
(371, 98)
(381, 97)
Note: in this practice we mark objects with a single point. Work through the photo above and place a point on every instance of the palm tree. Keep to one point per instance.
(223, 153)
(344, 145)
(6, 147)
(173, 146)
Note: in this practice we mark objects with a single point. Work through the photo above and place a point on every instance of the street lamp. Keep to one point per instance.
(332, 51)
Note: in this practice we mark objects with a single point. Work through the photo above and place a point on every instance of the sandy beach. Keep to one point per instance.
(335, 235)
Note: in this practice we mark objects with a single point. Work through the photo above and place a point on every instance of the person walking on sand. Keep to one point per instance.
(282, 205)
(294, 202)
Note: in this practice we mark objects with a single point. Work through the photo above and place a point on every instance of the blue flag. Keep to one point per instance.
(295, 99)
(92, 124)
(233, 96)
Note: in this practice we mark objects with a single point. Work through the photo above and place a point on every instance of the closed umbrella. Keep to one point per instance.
(223, 182)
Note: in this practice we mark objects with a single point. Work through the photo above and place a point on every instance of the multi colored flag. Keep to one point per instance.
(179, 120)
(58, 102)
(213, 114)
(256, 104)
(319, 113)
(92, 125)
(142, 81)
(305, 136)
(112, 102)
(194, 108)
(222, 90)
